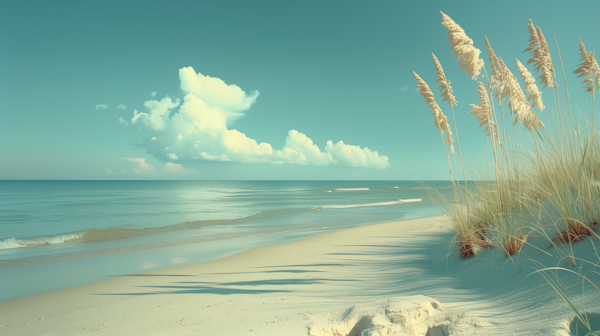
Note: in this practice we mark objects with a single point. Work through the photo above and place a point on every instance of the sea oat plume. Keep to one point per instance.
(534, 43)
(544, 62)
(540, 56)
(462, 46)
(588, 68)
(518, 103)
(450, 141)
(534, 94)
(441, 121)
(483, 112)
(445, 87)
(498, 76)
(494, 62)
(531, 122)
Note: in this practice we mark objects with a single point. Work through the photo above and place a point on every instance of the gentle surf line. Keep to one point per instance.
(17, 243)
(92, 236)
(165, 244)
(348, 206)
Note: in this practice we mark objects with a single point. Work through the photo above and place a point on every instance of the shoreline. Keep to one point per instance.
(318, 285)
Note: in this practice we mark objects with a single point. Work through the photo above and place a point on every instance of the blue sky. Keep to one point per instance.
(247, 89)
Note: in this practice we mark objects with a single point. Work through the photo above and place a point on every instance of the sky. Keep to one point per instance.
(253, 90)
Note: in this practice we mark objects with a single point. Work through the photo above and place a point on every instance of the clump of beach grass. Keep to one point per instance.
(545, 176)
(539, 173)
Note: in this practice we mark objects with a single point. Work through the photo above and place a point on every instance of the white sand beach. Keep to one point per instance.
(397, 278)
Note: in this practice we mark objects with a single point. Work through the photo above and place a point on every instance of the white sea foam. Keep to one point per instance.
(328, 191)
(348, 206)
(396, 187)
(351, 189)
(15, 243)
(408, 200)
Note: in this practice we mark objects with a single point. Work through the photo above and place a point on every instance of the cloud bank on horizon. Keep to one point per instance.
(198, 130)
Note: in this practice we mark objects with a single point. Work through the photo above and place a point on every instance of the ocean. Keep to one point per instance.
(59, 234)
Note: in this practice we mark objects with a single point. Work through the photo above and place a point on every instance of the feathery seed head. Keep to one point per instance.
(494, 62)
(462, 46)
(498, 76)
(531, 88)
(450, 141)
(540, 56)
(518, 105)
(483, 112)
(441, 121)
(445, 87)
(534, 42)
(531, 122)
(544, 62)
(588, 68)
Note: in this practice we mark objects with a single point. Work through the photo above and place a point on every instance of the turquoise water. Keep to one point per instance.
(57, 234)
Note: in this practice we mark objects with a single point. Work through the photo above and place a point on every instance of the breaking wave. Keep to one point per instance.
(348, 206)
(351, 189)
(16, 243)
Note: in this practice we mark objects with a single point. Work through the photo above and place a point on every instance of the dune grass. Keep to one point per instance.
(543, 177)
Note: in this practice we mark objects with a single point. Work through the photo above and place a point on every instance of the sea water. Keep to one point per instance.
(58, 234)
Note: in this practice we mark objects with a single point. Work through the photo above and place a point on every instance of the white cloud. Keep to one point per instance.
(176, 168)
(123, 171)
(299, 149)
(108, 171)
(199, 130)
(215, 92)
(209, 157)
(158, 116)
(143, 166)
(122, 121)
(122, 107)
(153, 94)
(404, 88)
(101, 106)
(355, 156)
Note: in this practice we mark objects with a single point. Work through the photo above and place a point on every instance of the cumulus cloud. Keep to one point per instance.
(209, 157)
(142, 166)
(153, 94)
(158, 116)
(101, 106)
(177, 168)
(215, 92)
(355, 156)
(108, 171)
(122, 107)
(122, 121)
(200, 129)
